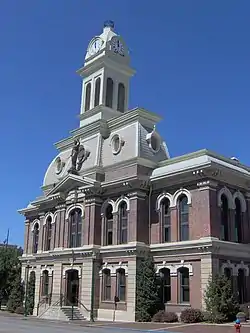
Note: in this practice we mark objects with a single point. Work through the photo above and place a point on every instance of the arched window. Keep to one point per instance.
(75, 228)
(184, 290)
(87, 96)
(45, 283)
(238, 221)
(121, 284)
(106, 285)
(97, 91)
(165, 285)
(224, 218)
(123, 223)
(109, 92)
(35, 237)
(241, 285)
(183, 218)
(121, 97)
(165, 220)
(48, 234)
(109, 226)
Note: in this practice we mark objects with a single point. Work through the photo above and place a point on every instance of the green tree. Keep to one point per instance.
(17, 295)
(147, 290)
(220, 301)
(30, 297)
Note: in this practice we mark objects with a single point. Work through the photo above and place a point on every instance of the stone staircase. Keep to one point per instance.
(77, 315)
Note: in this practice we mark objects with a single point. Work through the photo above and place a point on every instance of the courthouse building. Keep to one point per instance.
(112, 194)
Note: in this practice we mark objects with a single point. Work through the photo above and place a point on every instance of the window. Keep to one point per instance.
(75, 228)
(183, 218)
(106, 277)
(238, 221)
(35, 237)
(184, 291)
(109, 226)
(45, 283)
(165, 221)
(87, 96)
(224, 218)
(165, 285)
(241, 286)
(97, 91)
(121, 97)
(109, 93)
(48, 234)
(121, 284)
(123, 223)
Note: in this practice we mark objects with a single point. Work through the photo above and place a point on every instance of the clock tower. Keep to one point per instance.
(106, 74)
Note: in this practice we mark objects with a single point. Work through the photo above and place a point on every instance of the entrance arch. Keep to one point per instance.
(72, 287)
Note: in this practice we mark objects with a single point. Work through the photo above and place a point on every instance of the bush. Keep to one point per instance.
(241, 316)
(20, 310)
(220, 300)
(191, 316)
(165, 317)
(244, 308)
(215, 317)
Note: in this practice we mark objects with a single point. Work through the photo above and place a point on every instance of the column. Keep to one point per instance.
(26, 237)
(37, 289)
(209, 267)
(63, 237)
(132, 218)
(41, 234)
(131, 289)
(30, 239)
(56, 284)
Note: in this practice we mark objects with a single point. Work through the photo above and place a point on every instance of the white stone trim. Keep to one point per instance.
(161, 197)
(46, 217)
(113, 268)
(50, 270)
(70, 268)
(235, 267)
(34, 223)
(72, 207)
(180, 192)
(241, 197)
(224, 190)
(105, 205)
(119, 201)
(174, 267)
(243, 266)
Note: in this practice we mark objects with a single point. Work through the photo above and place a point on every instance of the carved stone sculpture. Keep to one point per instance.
(78, 155)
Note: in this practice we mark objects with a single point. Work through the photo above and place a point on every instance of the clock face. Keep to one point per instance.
(117, 46)
(95, 46)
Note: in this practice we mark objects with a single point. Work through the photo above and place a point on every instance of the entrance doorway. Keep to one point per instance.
(72, 287)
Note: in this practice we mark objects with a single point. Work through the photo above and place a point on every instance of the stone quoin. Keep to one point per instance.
(112, 194)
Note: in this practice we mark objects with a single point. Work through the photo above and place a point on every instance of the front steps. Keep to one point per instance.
(77, 315)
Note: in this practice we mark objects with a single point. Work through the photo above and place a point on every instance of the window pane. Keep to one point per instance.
(184, 232)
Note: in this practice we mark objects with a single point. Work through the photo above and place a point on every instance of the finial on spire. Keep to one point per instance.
(109, 24)
(154, 128)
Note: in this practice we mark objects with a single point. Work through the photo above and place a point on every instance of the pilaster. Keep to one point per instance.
(86, 285)
(37, 289)
(131, 288)
(57, 282)
(93, 222)
(26, 237)
(41, 234)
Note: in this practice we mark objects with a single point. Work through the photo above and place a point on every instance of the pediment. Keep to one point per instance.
(73, 181)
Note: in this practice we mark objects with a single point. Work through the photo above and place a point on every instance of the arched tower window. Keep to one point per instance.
(48, 234)
(97, 91)
(35, 237)
(106, 285)
(224, 218)
(75, 228)
(238, 221)
(87, 96)
(108, 226)
(183, 211)
(121, 284)
(121, 97)
(123, 223)
(109, 92)
(165, 220)
(184, 289)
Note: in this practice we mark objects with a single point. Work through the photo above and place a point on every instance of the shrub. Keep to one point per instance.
(191, 316)
(19, 310)
(241, 316)
(220, 300)
(244, 308)
(165, 317)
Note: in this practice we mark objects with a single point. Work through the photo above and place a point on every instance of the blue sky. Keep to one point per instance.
(193, 67)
